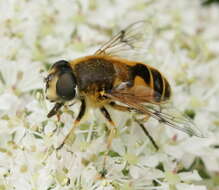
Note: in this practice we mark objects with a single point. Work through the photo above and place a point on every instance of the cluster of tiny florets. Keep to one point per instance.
(35, 34)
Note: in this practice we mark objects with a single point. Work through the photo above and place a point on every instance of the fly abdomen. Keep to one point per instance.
(142, 71)
(154, 80)
(167, 90)
(160, 85)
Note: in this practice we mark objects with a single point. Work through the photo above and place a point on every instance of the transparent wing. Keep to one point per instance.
(164, 113)
(173, 118)
(132, 41)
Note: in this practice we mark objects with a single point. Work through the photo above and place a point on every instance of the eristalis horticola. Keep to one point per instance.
(106, 78)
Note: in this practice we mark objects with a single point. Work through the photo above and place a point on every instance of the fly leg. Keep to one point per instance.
(58, 115)
(146, 131)
(54, 110)
(125, 108)
(106, 114)
(120, 107)
(76, 122)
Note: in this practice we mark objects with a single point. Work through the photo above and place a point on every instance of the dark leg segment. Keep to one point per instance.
(112, 129)
(119, 107)
(81, 112)
(55, 109)
(106, 114)
(77, 120)
(125, 108)
(147, 133)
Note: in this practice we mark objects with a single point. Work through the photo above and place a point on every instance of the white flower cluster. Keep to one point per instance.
(35, 34)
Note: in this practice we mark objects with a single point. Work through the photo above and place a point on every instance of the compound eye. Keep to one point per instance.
(65, 86)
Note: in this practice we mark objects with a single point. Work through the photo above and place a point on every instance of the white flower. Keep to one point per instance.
(36, 33)
(183, 186)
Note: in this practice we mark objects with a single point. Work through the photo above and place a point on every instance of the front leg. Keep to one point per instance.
(75, 124)
(55, 109)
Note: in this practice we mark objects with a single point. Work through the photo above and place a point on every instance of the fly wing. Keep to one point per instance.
(174, 118)
(165, 114)
(130, 42)
(139, 94)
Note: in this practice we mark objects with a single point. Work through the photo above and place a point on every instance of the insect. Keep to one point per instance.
(106, 78)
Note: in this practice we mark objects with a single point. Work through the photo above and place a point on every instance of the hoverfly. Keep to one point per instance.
(106, 78)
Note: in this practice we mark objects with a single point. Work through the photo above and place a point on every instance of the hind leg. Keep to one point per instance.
(139, 122)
